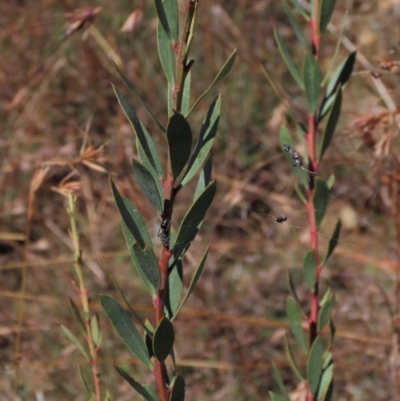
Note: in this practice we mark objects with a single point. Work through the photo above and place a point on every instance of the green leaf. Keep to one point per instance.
(309, 269)
(86, 381)
(194, 281)
(331, 123)
(163, 339)
(325, 312)
(321, 199)
(162, 16)
(137, 127)
(332, 332)
(276, 397)
(314, 365)
(329, 393)
(327, 7)
(204, 178)
(286, 138)
(333, 242)
(205, 141)
(150, 187)
(132, 312)
(95, 330)
(137, 386)
(223, 72)
(77, 316)
(166, 55)
(179, 137)
(126, 329)
(133, 89)
(151, 391)
(71, 337)
(295, 25)
(175, 280)
(294, 318)
(186, 94)
(279, 382)
(300, 9)
(292, 288)
(292, 361)
(326, 378)
(300, 193)
(193, 218)
(330, 181)
(312, 81)
(177, 388)
(288, 59)
(147, 266)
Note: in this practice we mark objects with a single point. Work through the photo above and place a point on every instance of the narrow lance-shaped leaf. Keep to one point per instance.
(295, 25)
(321, 199)
(279, 382)
(193, 282)
(151, 391)
(179, 137)
(86, 381)
(314, 365)
(71, 337)
(162, 17)
(325, 312)
(133, 89)
(327, 7)
(309, 269)
(294, 318)
(186, 94)
(288, 59)
(163, 339)
(204, 179)
(221, 74)
(312, 81)
(77, 316)
(175, 280)
(292, 361)
(330, 181)
(177, 388)
(206, 139)
(126, 329)
(286, 138)
(149, 186)
(292, 288)
(331, 123)
(326, 377)
(333, 241)
(95, 330)
(134, 384)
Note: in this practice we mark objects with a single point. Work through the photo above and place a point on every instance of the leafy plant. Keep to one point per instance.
(163, 278)
(323, 107)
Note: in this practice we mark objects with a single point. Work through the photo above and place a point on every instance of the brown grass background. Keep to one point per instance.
(59, 115)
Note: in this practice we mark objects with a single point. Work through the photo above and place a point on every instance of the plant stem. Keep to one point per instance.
(83, 294)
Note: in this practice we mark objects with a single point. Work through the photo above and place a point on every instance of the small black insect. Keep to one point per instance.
(164, 233)
(287, 147)
(280, 219)
(298, 159)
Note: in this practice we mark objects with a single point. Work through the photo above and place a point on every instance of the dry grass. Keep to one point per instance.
(61, 124)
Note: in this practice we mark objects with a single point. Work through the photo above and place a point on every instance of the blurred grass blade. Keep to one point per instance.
(327, 7)
(136, 125)
(312, 81)
(314, 365)
(279, 382)
(179, 137)
(333, 241)
(148, 266)
(221, 74)
(321, 199)
(294, 318)
(204, 178)
(309, 269)
(133, 89)
(295, 25)
(77, 316)
(71, 337)
(325, 312)
(195, 215)
(133, 313)
(331, 123)
(163, 339)
(194, 281)
(292, 361)
(286, 138)
(151, 188)
(175, 280)
(177, 388)
(134, 384)
(126, 329)
(205, 141)
(288, 59)
(162, 16)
